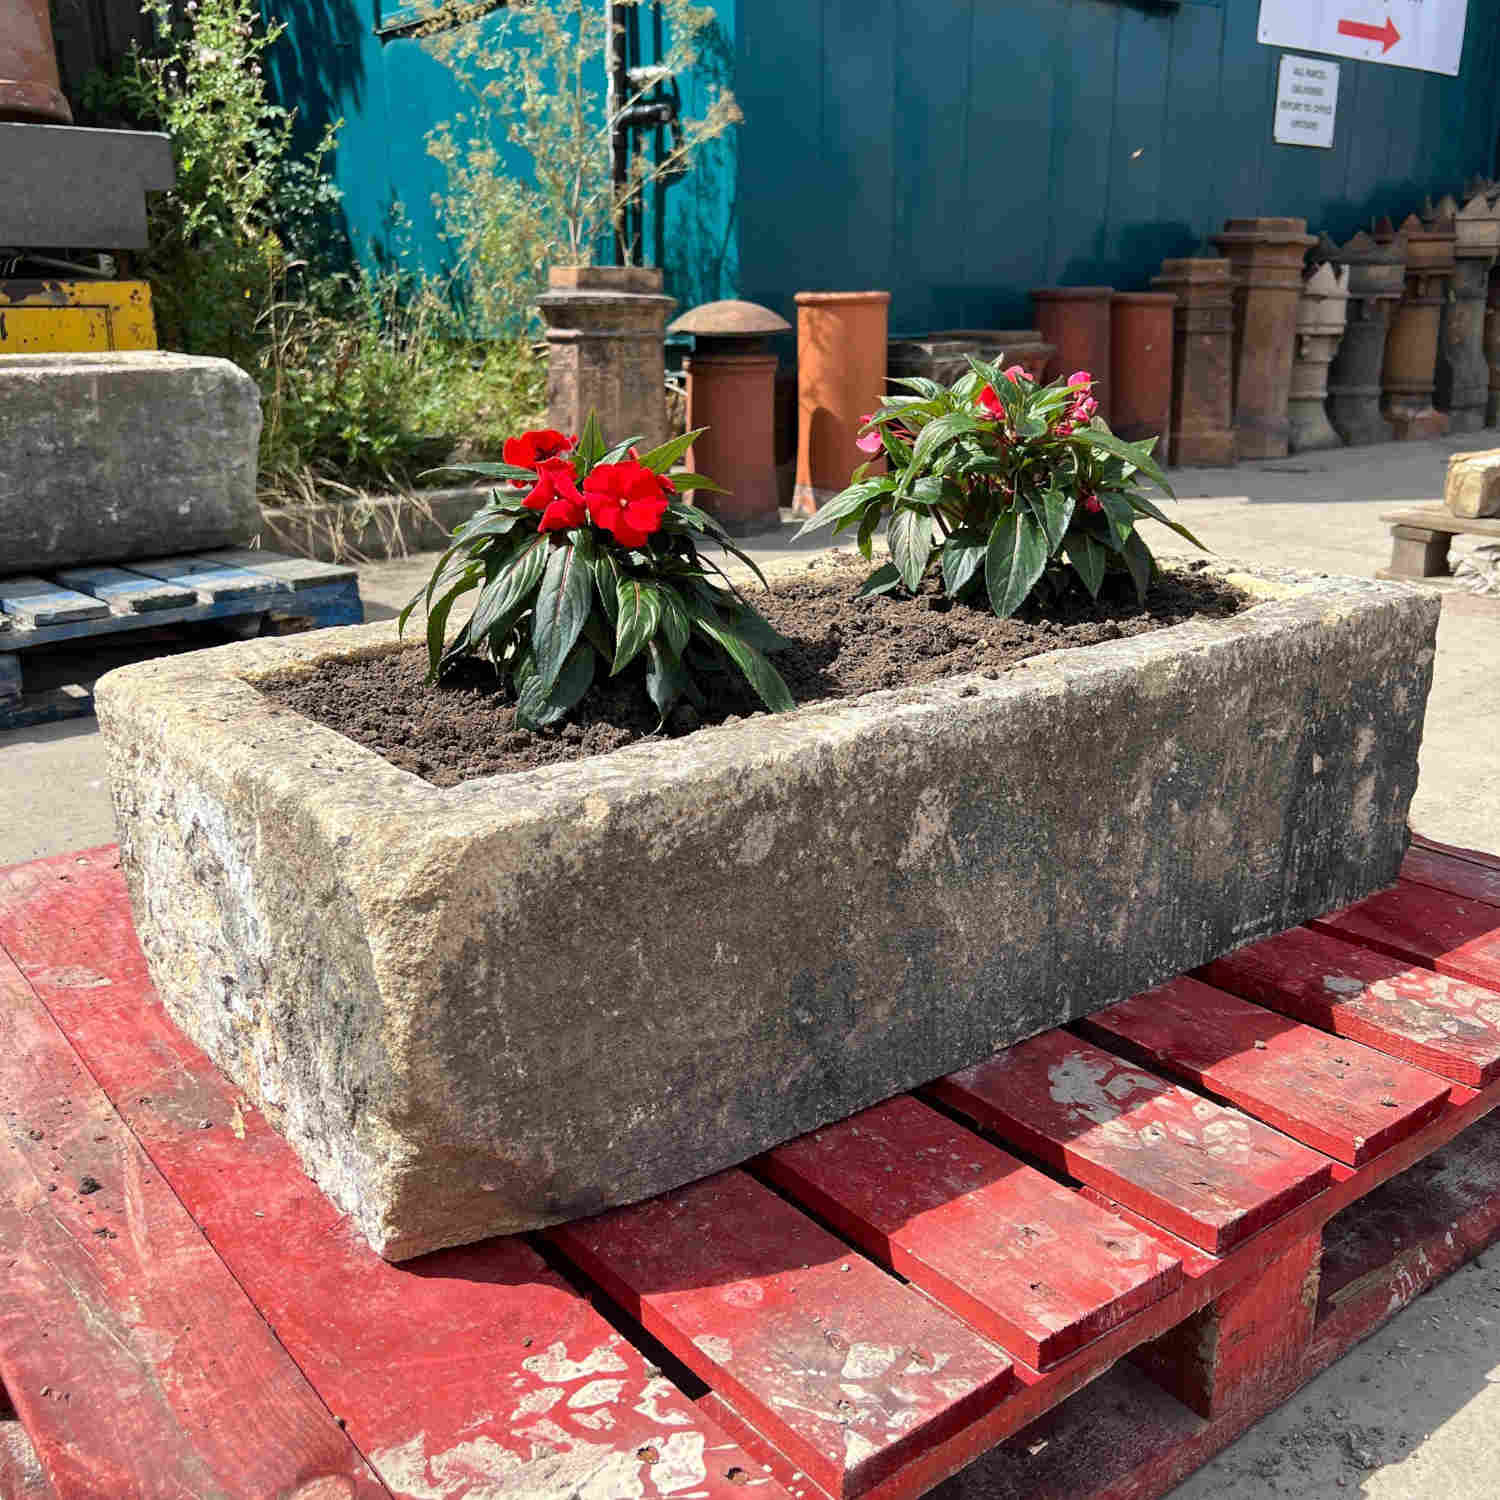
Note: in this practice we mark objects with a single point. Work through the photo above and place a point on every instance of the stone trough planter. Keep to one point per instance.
(519, 1000)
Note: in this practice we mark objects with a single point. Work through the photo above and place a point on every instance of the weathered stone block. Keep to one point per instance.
(525, 998)
(1473, 485)
(105, 457)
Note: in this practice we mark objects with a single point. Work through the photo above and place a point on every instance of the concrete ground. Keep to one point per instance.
(1414, 1414)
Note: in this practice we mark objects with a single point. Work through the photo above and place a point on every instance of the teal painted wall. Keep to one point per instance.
(958, 152)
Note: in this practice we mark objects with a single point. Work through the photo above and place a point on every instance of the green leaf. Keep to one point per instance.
(928, 390)
(759, 673)
(935, 434)
(606, 584)
(754, 627)
(666, 681)
(1054, 510)
(963, 555)
(1120, 514)
(487, 471)
(638, 614)
(881, 581)
(437, 624)
(674, 621)
(1141, 564)
(686, 481)
(1138, 454)
(909, 537)
(562, 603)
(590, 447)
(510, 588)
(869, 524)
(536, 706)
(1149, 508)
(1090, 559)
(621, 450)
(664, 455)
(1014, 559)
(848, 502)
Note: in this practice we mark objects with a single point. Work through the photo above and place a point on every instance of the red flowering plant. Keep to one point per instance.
(1003, 484)
(586, 564)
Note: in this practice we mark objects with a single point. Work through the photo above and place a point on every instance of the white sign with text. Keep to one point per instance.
(1426, 34)
(1307, 100)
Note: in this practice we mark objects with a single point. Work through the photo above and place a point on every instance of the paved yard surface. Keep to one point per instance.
(1414, 1414)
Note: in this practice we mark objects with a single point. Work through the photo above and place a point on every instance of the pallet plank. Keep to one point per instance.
(213, 583)
(1026, 1261)
(36, 601)
(1459, 877)
(849, 1372)
(1409, 1012)
(297, 573)
(468, 1372)
(1209, 1174)
(126, 593)
(136, 1364)
(1457, 937)
(1343, 1099)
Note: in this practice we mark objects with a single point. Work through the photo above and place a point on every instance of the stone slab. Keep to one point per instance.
(521, 1000)
(67, 186)
(108, 457)
(1472, 488)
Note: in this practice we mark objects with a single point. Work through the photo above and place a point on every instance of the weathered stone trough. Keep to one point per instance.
(522, 999)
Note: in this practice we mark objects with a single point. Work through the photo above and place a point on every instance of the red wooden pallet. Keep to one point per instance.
(1207, 1178)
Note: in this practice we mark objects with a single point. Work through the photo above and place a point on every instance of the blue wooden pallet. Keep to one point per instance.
(233, 584)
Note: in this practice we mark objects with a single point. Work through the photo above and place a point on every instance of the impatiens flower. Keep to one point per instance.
(564, 513)
(991, 403)
(870, 442)
(1064, 429)
(1080, 377)
(627, 500)
(1091, 504)
(1017, 373)
(531, 448)
(554, 477)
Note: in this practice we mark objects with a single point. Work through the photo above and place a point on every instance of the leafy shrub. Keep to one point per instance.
(588, 559)
(1004, 485)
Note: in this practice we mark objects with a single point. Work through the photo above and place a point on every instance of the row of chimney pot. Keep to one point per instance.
(1283, 342)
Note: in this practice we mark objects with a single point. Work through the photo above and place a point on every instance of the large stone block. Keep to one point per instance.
(520, 1000)
(104, 457)
(1472, 488)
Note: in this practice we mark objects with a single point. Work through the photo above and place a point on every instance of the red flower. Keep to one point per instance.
(555, 477)
(1091, 504)
(627, 500)
(564, 513)
(991, 403)
(530, 449)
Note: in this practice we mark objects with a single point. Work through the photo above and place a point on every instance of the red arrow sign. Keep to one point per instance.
(1387, 33)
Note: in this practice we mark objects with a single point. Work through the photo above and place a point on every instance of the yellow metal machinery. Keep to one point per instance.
(61, 316)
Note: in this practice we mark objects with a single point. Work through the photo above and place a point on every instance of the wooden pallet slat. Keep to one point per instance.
(296, 573)
(1445, 872)
(126, 593)
(213, 583)
(136, 1363)
(1333, 1094)
(1406, 1010)
(35, 602)
(1457, 937)
(850, 1373)
(467, 1372)
(1209, 1174)
(1026, 1261)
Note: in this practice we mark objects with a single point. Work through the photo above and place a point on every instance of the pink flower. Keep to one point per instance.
(1091, 504)
(1064, 429)
(991, 404)
(1080, 377)
(870, 442)
(1017, 373)
(1084, 408)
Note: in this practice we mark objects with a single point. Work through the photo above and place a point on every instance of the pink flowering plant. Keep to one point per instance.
(586, 564)
(1004, 485)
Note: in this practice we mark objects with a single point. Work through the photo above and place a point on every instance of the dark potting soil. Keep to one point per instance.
(841, 647)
